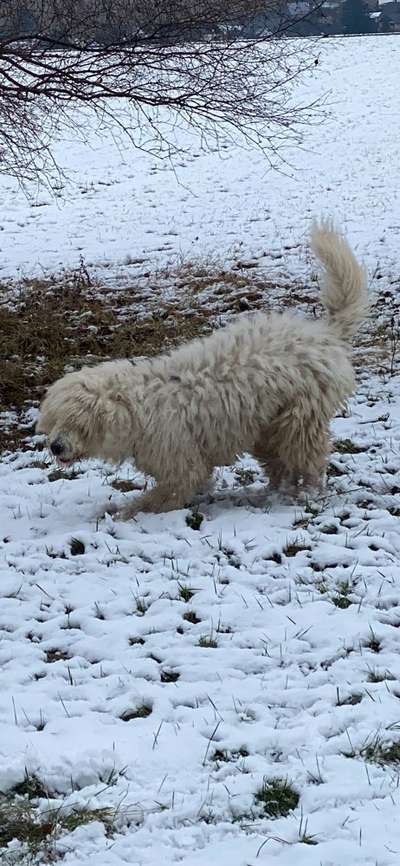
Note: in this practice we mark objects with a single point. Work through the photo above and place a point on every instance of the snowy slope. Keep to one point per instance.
(120, 205)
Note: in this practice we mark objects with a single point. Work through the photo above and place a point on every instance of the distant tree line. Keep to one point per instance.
(113, 21)
(110, 22)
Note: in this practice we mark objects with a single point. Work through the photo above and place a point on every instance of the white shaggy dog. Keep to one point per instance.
(267, 383)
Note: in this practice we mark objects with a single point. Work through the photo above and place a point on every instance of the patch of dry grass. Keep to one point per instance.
(53, 326)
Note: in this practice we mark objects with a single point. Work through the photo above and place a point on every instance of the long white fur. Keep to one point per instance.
(268, 384)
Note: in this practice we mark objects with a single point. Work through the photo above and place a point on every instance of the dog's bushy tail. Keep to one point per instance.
(344, 291)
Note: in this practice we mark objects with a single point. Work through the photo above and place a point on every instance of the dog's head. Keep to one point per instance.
(85, 414)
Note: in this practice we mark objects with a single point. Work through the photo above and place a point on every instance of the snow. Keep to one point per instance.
(301, 600)
(86, 638)
(121, 205)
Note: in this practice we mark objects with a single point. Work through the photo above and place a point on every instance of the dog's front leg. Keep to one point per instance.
(157, 500)
(170, 494)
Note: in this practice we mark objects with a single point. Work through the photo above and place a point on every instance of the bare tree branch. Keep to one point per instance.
(220, 67)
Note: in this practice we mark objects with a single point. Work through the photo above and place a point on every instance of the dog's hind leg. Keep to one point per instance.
(303, 437)
(294, 449)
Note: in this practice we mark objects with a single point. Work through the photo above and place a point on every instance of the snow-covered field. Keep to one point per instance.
(121, 205)
(170, 673)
